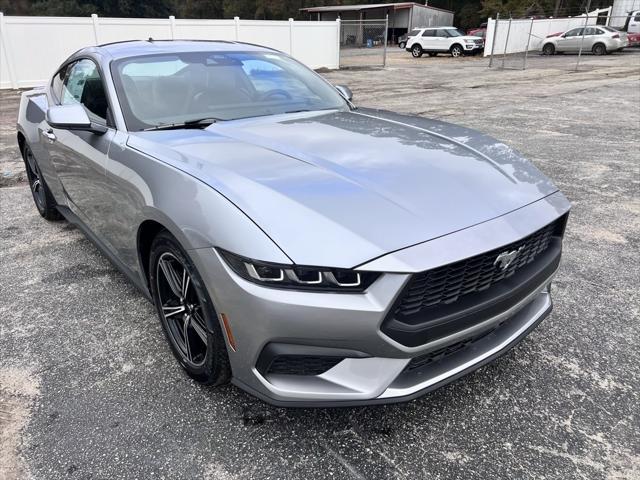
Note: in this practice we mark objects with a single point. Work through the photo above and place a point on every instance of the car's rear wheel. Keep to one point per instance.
(599, 49)
(188, 317)
(456, 51)
(42, 196)
(433, 54)
(402, 45)
(548, 49)
(416, 51)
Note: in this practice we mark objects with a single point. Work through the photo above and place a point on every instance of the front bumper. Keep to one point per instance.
(375, 368)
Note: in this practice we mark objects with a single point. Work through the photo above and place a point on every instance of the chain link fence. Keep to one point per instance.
(363, 43)
(513, 44)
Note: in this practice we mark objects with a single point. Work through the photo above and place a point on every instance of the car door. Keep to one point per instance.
(79, 157)
(590, 38)
(569, 42)
(427, 39)
(442, 40)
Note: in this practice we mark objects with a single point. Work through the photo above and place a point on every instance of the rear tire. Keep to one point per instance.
(456, 51)
(187, 315)
(42, 196)
(416, 51)
(599, 49)
(402, 45)
(548, 49)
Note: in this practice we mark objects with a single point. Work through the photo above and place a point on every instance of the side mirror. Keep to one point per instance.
(345, 92)
(72, 117)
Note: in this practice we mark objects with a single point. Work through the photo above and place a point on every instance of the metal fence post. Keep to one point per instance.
(584, 29)
(237, 24)
(493, 40)
(94, 19)
(526, 52)
(386, 30)
(506, 42)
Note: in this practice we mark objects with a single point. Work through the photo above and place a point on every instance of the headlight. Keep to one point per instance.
(298, 277)
(470, 41)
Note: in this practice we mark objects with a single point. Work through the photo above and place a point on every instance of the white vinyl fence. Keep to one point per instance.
(31, 48)
(519, 35)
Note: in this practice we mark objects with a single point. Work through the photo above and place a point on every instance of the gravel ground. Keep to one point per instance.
(89, 390)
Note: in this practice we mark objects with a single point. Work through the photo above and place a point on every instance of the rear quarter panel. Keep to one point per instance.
(31, 120)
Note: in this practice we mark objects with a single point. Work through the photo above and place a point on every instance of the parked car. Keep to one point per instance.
(633, 39)
(402, 40)
(480, 31)
(599, 40)
(443, 40)
(311, 251)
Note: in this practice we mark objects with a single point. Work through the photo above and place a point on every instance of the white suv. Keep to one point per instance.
(442, 40)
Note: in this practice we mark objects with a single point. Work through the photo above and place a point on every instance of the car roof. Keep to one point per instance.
(436, 28)
(134, 48)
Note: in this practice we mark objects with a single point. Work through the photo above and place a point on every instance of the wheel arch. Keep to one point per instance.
(147, 231)
(21, 141)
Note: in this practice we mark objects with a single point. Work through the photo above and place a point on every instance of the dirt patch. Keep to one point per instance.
(18, 390)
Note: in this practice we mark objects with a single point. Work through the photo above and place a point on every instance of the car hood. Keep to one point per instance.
(340, 188)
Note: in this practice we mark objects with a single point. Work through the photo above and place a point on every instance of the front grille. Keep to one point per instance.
(445, 285)
(479, 42)
(302, 364)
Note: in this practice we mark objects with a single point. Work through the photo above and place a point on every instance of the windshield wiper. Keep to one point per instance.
(195, 123)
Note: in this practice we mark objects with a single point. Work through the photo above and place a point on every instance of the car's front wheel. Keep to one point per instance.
(402, 45)
(416, 51)
(548, 49)
(188, 317)
(456, 51)
(42, 196)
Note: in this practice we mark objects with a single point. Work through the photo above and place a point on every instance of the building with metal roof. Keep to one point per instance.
(403, 16)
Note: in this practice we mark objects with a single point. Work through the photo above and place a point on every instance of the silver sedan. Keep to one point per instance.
(599, 40)
(308, 250)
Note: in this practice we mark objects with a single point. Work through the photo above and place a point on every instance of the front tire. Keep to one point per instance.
(187, 315)
(42, 196)
(456, 51)
(416, 51)
(402, 45)
(599, 49)
(548, 49)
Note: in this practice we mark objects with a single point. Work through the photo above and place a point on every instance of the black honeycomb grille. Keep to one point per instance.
(302, 364)
(444, 352)
(446, 284)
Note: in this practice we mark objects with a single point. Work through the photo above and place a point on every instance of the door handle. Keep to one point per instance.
(50, 135)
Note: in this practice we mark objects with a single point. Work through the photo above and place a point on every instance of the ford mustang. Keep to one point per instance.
(310, 251)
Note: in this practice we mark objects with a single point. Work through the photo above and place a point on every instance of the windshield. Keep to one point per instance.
(164, 89)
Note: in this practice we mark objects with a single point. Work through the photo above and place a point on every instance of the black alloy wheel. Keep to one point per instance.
(42, 197)
(188, 317)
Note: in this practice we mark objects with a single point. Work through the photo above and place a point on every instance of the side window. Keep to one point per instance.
(56, 83)
(598, 32)
(84, 85)
(442, 32)
(574, 33)
(591, 31)
(429, 33)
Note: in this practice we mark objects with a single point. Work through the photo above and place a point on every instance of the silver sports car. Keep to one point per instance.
(310, 251)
